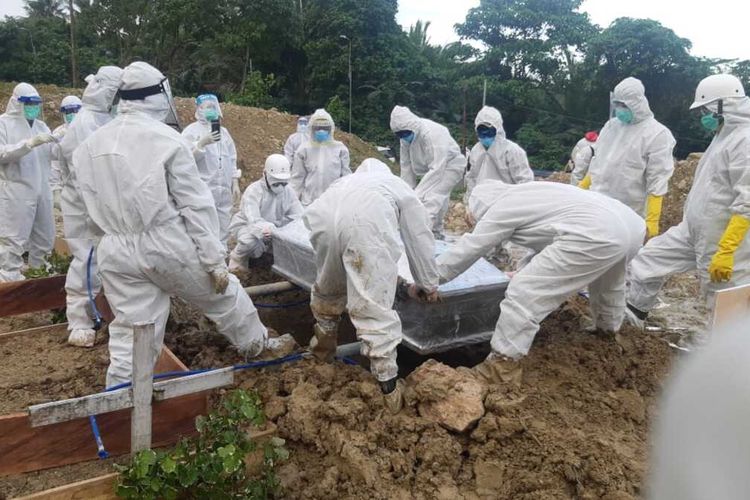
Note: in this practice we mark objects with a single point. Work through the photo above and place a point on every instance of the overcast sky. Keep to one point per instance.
(717, 29)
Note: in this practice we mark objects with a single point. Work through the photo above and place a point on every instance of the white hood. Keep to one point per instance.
(320, 116)
(491, 117)
(403, 119)
(373, 166)
(484, 196)
(632, 93)
(101, 89)
(15, 107)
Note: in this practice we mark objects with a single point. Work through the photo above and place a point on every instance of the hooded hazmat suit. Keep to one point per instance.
(720, 190)
(262, 205)
(97, 102)
(158, 225)
(297, 139)
(432, 154)
(217, 164)
(581, 156)
(59, 132)
(357, 227)
(581, 239)
(504, 160)
(318, 164)
(633, 160)
(25, 194)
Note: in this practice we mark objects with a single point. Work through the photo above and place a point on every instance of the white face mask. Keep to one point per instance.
(275, 186)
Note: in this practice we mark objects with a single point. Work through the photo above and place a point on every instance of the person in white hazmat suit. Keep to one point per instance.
(581, 156)
(267, 204)
(158, 225)
(428, 150)
(357, 227)
(69, 108)
(98, 101)
(320, 161)
(701, 437)
(495, 156)
(25, 194)
(633, 159)
(712, 237)
(581, 239)
(297, 139)
(216, 156)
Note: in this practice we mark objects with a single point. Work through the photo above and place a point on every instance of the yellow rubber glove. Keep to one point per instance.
(722, 263)
(585, 183)
(653, 214)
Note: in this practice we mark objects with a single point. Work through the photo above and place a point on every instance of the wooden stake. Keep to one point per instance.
(143, 385)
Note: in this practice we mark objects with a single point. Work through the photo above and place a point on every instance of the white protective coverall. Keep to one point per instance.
(504, 161)
(701, 437)
(357, 227)
(217, 164)
(55, 181)
(318, 164)
(262, 205)
(25, 194)
(721, 189)
(581, 239)
(581, 156)
(297, 139)
(432, 154)
(97, 104)
(160, 231)
(633, 160)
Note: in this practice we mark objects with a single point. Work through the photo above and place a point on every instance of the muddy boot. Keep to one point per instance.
(498, 369)
(277, 347)
(82, 337)
(393, 395)
(323, 344)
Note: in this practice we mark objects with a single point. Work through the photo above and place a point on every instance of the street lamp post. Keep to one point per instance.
(344, 37)
(33, 50)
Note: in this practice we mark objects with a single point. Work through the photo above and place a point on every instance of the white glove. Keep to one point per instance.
(60, 134)
(82, 338)
(56, 199)
(208, 139)
(236, 193)
(267, 232)
(220, 280)
(40, 139)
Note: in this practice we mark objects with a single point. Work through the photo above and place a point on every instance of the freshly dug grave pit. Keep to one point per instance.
(40, 367)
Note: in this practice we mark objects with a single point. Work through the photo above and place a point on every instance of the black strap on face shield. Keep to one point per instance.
(142, 93)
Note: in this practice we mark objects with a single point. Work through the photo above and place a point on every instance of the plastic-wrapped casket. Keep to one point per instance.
(466, 315)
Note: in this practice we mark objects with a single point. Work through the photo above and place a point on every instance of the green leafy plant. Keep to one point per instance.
(212, 464)
(56, 264)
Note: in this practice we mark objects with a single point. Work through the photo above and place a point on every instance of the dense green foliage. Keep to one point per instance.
(547, 67)
(211, 465)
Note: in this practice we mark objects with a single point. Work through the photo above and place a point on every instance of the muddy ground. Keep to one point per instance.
(42, 367)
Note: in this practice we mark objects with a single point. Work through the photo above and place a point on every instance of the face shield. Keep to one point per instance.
(302, 124)
(69, 112)
(321, 133)
(207, 108)
(160, 89)
(32, 106)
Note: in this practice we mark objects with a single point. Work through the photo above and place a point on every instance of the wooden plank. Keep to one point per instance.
(730, 305)
(191, 384)
(20, 297)
(56, 328)
(98, 488)
(143, 387)
(25, 449)
(68, 409)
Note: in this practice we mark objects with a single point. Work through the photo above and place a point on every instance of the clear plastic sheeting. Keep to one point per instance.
(466, 315)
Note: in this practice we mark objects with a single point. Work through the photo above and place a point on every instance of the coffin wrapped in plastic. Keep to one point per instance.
(466, 315)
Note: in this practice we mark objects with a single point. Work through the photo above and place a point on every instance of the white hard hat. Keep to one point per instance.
(277, 166)
(715, 87)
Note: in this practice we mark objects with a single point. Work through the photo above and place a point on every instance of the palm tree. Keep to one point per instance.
(45, 8)
(418, 34)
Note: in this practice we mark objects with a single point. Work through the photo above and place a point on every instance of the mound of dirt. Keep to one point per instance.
(679, 187)
(576, 428)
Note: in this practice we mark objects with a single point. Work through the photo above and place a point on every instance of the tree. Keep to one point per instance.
(44, 8)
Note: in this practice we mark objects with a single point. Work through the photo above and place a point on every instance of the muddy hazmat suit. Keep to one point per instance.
(357, 227)
(217, 160)
(267, 204)
(158, 225)
(504, 160)
(633, 161)
(432, 153)
(701, 437)
(581, 239)
(98, 98)
(319, 161)
(25, 194)
(581, 156)
(720, 195)
(297, 139)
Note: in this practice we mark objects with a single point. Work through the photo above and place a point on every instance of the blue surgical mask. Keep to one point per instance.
(487, 141)
(408, 138)
(624, 115)
(31, 111)
(322, 135)
(211, 115)
(710, 122)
